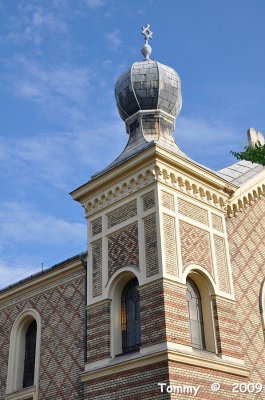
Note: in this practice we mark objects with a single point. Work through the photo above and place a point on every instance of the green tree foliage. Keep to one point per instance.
(255, 154)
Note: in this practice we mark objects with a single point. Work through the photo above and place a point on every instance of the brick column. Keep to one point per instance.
(98, 331)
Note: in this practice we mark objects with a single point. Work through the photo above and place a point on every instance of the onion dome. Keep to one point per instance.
(148, 97)
(148, 85)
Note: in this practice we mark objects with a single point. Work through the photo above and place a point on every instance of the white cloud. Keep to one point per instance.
(113, 39)
(60, 160)
(33, 23)
(36, 236)
(23, 222)
(62, 89)
(10, 273)
(207, 142)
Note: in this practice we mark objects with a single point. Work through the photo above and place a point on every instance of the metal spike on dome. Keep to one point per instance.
(146, 49)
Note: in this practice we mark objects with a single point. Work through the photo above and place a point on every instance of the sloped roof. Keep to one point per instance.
(240, 172)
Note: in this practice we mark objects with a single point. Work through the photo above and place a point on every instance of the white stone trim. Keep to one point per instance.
(248, 193)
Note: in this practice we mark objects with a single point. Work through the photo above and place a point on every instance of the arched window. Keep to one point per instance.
(196, 328)
(24, 354)
(29, 361)
(130, 317)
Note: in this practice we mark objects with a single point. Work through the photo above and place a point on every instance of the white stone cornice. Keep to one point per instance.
(246, 195)
(156, 172)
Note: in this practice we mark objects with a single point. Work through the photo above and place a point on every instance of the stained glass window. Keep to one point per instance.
(131, 324)
(195, 316)
(29, 362)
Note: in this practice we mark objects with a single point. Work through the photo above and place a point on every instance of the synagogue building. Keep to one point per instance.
(168, 301)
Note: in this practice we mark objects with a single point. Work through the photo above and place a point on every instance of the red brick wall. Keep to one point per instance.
(181, 374)
(246, 234)
(164, 314)
(176, 313)
(227, 328)
(61, 355)
(153, 328)
(98, 332)
(137, 384)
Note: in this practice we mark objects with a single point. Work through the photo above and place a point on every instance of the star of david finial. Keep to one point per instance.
(147, 33)
(146, 49)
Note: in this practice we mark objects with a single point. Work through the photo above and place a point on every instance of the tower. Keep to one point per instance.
(159, 281)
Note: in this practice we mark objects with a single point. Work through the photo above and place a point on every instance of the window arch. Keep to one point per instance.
(196, 328)
(117, 285)
(24, 353)
(201, 315)
(130, 318)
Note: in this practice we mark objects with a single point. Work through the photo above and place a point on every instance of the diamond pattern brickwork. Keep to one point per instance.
(246, 234)
(123, 249)
(195, 246)
(150, 240)
(61, 309)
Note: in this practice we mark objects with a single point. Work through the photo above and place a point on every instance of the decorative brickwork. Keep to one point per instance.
(123, 213)
(96, 226)
(192, 211)
(221, 262)
(181, 374)
(123, 249)
(227, 329)
(195, 246)
(153, 326)
(167, 200)
(246, 234)
(164, 314)
(98, 332)
(150, 239)
(176, 313)
(61, 355)
(97, 268)
(134, 384)
(149, 200)
(170, 246)
(217, 222)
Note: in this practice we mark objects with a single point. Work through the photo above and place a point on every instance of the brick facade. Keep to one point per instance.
(123, 248)
(98, 332)
(61, 308)
(136, 384)
(246, 234)
(195, 246)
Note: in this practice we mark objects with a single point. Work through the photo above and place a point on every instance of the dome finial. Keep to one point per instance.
(146, 49)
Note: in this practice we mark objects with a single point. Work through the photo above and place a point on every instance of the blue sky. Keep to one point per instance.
(59, 63)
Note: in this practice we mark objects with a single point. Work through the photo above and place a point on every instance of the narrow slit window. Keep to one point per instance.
(29, 361)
